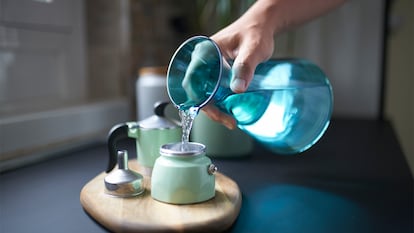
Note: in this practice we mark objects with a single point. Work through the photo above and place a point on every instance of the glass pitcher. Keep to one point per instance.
(287, 106)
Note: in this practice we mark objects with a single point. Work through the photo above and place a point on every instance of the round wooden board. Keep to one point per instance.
(144, 214)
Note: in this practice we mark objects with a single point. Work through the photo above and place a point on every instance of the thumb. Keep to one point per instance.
(243, 70)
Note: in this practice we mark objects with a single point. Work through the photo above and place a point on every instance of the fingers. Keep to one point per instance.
(216, 115)
(244, 65)
(242, 75)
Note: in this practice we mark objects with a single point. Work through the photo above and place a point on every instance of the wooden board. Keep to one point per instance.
(144, 214)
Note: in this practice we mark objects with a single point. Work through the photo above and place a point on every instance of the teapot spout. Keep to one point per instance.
(118, 132)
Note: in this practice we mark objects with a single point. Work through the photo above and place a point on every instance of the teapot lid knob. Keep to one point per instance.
(123, 182)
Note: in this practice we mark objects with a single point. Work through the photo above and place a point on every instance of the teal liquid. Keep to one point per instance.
(286, 121)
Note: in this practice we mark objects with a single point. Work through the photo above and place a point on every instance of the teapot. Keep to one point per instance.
(150, 134)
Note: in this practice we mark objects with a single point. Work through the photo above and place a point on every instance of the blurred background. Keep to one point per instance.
(68, 68)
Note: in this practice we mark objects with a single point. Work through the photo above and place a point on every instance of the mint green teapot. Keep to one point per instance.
(150, 134)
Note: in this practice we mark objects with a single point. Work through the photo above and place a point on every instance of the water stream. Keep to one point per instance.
(187, 119)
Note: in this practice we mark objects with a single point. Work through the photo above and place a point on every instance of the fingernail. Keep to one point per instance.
(229, 124)
(238, 85)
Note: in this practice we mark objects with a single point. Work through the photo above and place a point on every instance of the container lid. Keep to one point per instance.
(182, 149)
(159, 70)
(157, 122)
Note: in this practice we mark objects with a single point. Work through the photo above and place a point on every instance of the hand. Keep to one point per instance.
(248, 41)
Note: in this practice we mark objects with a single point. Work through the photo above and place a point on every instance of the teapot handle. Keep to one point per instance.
(118, 132)
(159, 108)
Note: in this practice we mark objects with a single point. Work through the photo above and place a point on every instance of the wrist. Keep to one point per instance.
(271, 16)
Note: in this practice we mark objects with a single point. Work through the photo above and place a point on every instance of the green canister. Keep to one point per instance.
(183, 174)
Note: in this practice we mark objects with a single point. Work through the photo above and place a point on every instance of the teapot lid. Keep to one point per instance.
(158, 121)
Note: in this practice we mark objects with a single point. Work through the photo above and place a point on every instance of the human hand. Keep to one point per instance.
(248, 42)
(250, 39)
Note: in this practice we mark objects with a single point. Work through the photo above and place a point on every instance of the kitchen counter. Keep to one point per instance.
(355, 179)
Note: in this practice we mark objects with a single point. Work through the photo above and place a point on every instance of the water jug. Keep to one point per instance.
(287, 106)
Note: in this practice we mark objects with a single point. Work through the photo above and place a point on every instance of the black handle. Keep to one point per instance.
(118, 132)
(159, 108)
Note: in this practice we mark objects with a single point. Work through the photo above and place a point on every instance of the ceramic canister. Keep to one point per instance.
(220, 141)
(183, 176)
(150, 88)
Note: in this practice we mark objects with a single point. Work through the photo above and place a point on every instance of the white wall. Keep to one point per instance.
(42, 54)
(346, 43)
(400, 76)
(44, 87)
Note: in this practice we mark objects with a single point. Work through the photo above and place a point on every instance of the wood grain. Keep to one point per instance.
(144, 214)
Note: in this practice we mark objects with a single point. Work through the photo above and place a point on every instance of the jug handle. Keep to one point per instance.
(118, 132)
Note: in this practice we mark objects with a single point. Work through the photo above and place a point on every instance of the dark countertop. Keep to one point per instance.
(355, 179)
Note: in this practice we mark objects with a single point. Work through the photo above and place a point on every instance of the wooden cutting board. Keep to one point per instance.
(144, 214)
